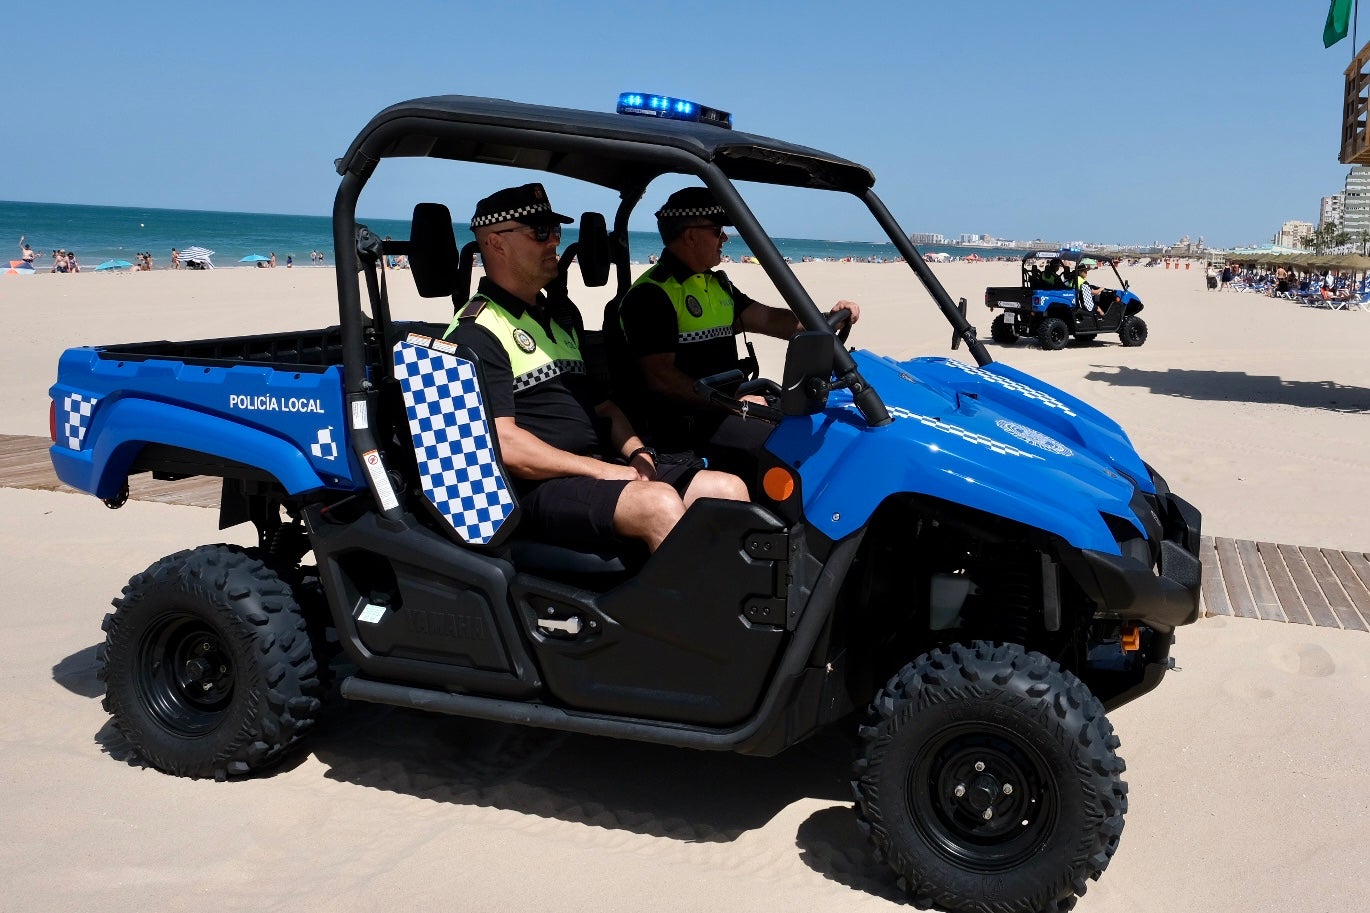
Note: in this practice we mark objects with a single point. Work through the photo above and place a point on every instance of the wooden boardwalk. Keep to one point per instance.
(1289, 583)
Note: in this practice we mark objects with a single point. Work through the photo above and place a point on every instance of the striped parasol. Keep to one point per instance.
(19, 268)
(198, 255)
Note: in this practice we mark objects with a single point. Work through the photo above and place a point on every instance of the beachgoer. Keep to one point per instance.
(25, 252)
(289, 260)
(273, 260)
(175, 258)
(72, 266)
(548, 412)
(680, 321)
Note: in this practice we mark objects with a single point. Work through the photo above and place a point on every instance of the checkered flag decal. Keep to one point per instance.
(453, 441)
(76, 410)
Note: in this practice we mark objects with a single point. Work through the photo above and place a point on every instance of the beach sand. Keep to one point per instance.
(1247, 766)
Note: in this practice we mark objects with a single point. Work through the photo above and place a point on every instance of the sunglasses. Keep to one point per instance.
(715, 230)
(541, 233)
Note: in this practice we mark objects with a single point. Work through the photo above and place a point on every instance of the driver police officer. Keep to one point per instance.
(680, 320)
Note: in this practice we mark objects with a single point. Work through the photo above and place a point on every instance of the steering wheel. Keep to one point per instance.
(839, 321)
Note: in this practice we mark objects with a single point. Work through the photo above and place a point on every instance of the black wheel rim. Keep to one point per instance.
(185, 674)
(982, 797)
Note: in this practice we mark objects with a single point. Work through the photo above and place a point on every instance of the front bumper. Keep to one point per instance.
(1163, 597)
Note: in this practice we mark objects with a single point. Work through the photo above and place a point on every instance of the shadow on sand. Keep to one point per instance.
(1238, 387)
(690, 796)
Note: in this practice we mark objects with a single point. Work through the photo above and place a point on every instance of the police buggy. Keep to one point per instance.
(962, 565)
(1051, 306)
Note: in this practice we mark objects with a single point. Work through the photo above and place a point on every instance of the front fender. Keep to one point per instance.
(121, 428)
(847, 470)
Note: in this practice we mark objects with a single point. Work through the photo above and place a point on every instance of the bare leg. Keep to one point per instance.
(647, 511)
(710, 484)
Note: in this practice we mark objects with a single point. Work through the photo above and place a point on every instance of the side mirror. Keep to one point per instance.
(808, 372)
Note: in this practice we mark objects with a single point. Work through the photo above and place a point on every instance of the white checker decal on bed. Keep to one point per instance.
(76, 412)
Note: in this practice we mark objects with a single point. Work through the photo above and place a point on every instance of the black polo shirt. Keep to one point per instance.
(560, 410)
(650, 326)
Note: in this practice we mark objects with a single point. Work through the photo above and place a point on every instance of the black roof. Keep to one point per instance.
(614, 150)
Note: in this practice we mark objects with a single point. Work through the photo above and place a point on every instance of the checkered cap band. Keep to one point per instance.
(453, 441)
(547, 372)
(522, 212)
(682, 212)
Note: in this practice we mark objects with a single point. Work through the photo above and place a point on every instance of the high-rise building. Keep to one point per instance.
(926, 237)
(1292, 233)
(1355, 209)
(1331, 211)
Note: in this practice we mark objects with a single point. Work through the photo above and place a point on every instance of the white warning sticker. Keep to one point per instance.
(379, 480)
(359, 414)
(371, 613)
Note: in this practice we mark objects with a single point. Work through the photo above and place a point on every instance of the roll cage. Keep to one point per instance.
(624, 154)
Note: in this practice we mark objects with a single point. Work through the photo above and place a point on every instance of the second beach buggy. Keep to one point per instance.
(1052, 305)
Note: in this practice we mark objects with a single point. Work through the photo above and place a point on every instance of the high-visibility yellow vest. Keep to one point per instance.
(703, 306)
(534, 354)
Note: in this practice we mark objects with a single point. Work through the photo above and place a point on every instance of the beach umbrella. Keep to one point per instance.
(198, 255)
(19, 268)
(255, 258)
(114, 264)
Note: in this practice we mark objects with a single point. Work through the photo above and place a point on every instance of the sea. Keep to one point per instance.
(100, 233)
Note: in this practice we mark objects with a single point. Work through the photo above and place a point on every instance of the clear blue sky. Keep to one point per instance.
(1116, 122)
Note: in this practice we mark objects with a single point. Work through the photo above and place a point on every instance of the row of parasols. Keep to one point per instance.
(1354, 262)
(191, 257)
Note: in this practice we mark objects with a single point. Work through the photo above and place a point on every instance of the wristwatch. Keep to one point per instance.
(651, 452)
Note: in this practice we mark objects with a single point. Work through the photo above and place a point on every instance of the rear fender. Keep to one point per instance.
(120, 428)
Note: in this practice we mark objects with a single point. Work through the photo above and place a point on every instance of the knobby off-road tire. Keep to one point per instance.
(1001, 331)
(1132, 331)
(1053, 333)
(207, 666)
(990, 727)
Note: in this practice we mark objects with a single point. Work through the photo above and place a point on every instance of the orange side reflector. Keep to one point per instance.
(1131, 639)
(778, 483)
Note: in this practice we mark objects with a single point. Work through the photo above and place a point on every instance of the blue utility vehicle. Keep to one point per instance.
(965, 566)
(1052, 307)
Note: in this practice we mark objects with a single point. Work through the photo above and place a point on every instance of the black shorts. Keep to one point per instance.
(578, 512)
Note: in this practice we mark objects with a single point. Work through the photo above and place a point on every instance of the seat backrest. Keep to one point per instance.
(434, 259)
(460, 472)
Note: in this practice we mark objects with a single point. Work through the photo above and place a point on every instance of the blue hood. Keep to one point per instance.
(993, 438)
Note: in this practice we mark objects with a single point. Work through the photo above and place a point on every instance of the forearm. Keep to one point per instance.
(622, 438)
(527, 456)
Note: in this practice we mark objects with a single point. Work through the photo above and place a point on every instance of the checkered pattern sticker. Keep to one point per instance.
(973, 437)
(1043, 398)
(704, 335)
(453, 441)
(76, 412)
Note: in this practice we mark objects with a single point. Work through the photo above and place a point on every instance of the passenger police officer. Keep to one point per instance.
(680, 320)
(558, 432)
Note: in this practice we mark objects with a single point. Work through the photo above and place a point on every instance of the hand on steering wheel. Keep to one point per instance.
(839, 319)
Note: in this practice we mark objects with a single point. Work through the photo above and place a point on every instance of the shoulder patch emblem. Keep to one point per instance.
(524, 341)
(693, 306)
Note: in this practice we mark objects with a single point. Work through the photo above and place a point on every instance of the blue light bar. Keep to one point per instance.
(674, 108)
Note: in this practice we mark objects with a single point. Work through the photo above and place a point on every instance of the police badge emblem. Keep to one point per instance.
(693, 306)
(524, 341)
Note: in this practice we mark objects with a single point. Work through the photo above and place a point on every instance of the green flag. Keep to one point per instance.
(1338, 18)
